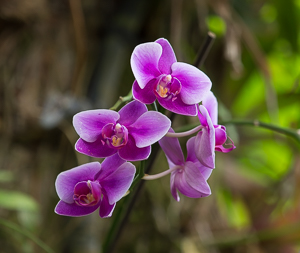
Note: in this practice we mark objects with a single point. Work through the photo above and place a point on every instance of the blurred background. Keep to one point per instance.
(60, 57)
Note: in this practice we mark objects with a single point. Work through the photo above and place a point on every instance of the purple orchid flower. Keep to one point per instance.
(83, 189)
(213, 136)
(188, 177)
(129, 132)
(177, 86)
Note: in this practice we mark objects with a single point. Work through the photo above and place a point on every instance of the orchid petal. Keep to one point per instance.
(109, 166)
(182, 186)
(178, 106)
(195, 179)
(167, 58)
(149, 128)
(202, 119)
(94, 149)
(203, 145)
(73, 209)
(173, 187)
(118, 183)
(146, 95)
(88, 124)
(191, 154)
(191, 157)
(211, 104)
(66, 181)
(195, 84)
(131, 152)
(131, 112)
(144, 62)
(205, 142)
(106, 209)
(172, 149)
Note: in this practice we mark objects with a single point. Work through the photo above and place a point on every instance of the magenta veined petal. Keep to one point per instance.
(109, 166)
(74, 210)
(191, 157)
(66, 181)
(177, 106)
(205, 142)
(211, 104)
(183, 187)
(203, 147)
(94, 149)
(88, 124)
(195, 84)
(173, 186)
(146, 95)
(149, 128)
(117, 184)
(131, 112)
(144, 62)
(191, 154)
(196, 180)
(167, 58)
(106, 209)
(131, 152)
(172, 149)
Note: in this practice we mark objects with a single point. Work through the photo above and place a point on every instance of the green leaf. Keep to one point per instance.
(216, 25)
(17, 201)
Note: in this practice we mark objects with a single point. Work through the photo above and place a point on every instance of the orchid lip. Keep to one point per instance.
(167, 87)
(85, 194)
(115, 135)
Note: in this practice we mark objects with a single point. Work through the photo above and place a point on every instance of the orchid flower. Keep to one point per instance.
(212, 137)
(177, 86)
(187, 176)
(83, 189)
(129, 132)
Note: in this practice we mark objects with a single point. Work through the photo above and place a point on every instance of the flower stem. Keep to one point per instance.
(121, 223)
(154, 106)
(122, 213)
(122, 100)
(140, 174)
(283, 130)
(186, 133)
(162, 174)
(204, 50)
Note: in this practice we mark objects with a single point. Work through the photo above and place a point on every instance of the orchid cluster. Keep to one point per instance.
(127, 135)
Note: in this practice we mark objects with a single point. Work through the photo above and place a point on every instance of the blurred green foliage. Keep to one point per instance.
(17, 201)
(216, 25)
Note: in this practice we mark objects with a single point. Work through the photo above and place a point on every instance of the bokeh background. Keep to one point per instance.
(60, 57)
